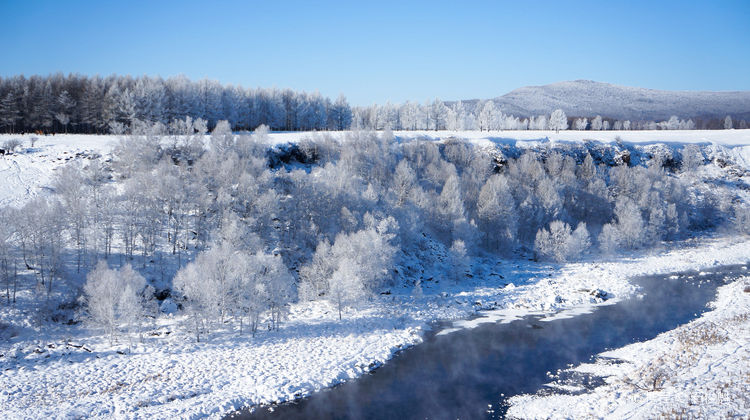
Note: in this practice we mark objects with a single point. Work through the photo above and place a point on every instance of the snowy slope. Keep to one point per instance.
(589, 98)
(30, 170)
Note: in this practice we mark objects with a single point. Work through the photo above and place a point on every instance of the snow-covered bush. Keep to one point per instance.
(742, 218)
(234, 278)
(560, 244)
(458, 261)
(113, 299)
(356, 264)
(11, 145)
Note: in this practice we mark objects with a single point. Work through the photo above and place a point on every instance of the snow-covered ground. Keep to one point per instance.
(30, 170)
(68, 372)
(170, 375)
(724, 137)
(698, 370)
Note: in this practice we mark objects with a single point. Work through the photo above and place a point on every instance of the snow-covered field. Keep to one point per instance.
(699, 370)
(67, 372)
(725, 137)
(30, 170)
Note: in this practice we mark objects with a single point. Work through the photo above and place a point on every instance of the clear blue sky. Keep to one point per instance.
(382, 50)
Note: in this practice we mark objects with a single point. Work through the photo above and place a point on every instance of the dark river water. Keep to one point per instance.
(470, 373)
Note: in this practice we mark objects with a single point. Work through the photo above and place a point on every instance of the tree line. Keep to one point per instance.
(486, 116)
(82, 104)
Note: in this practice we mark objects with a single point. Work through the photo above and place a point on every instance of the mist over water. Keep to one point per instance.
(470, 373)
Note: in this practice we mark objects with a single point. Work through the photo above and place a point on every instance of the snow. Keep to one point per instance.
(728, 138)
(566, 291)
(170, 375)
(533, 137)
(30, 170)
(701, 371)
(179, 378)
(71, 372)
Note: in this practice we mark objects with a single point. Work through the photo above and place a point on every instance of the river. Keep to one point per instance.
(470, 373)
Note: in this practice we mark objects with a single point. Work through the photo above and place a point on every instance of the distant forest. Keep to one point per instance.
(82, 104)
(114, 104)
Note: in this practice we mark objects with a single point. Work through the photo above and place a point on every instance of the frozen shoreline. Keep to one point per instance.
(698, 370)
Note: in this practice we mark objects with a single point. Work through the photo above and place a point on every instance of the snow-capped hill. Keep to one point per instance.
(589, 98)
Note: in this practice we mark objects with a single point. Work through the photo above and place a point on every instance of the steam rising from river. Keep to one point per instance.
(468, 369)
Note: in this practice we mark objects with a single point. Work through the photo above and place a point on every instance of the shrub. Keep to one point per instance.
(11, 145)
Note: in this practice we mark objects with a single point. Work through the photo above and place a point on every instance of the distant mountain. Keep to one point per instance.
(588, 98)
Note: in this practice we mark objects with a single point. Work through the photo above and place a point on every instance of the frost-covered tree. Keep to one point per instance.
(742, 217)
(345, 285)
(438, 114)
(579, 242)
(450, 203)
(673, 123)
(538, 123)
(340, 114)
(272, 275)
(263, 285)
(628, 231)
(112, 299)
(596, 123)
(356, 263)
(66, 107)
(558, 121)
(71, 186)
(404, 182)
(10, 112)
(581, 123)
(486, 116)
(457, 117)
(132, 303)
(315, 275)
(458, 261)
(559, 243)
(8, 270)
(102, 297)
(497, 213)
(692, 157)
(553, 243)
(728, 123)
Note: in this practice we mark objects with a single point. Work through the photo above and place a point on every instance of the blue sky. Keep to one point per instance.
(382, 50)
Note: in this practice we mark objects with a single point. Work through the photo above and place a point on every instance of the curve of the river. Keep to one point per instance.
(470, 373)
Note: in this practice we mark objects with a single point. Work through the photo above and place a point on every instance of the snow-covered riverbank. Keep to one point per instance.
(699, 370)
(170, 375)
(51, 369)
